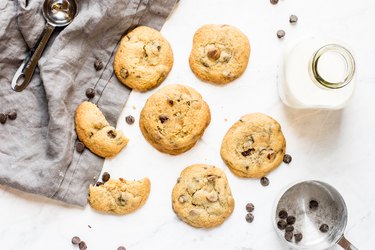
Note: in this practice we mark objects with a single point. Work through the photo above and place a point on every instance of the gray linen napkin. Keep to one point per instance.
(37, 150)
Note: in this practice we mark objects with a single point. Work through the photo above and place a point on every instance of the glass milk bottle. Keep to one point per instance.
(316, 74)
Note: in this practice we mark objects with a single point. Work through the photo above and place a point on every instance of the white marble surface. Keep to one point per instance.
(336, 147)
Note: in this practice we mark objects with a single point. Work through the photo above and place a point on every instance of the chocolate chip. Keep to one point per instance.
(182, 199)
(3, 118)
(281, 224)
(76, 240)
(170, 102)
(289, 228)
(106, 176)
(250, 207)
(313, 205)
(129, 119)
(99, 183)
(98, 65)
(90, 93)
(111, 134)
(324, 228)
(288, 236)
(280, 33)
(121, 248)
(291, 220)
(124, 73)
(248, 152)
(163, 118)
(274, 1)
(298, 237)
(80, 147)
(213, 54)
(287, 158)
(12, 115)
(283, 214)
(293, 19)
(249, 217)
(158, 47)
(264, 181)
(82, 245)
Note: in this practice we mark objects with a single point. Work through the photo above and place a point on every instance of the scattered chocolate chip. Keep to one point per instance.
(283, 214)
(298, 237)
(249, 217)
(90, 93)
(99, 183)
(274, 1)
(98, 65)
(82, 245)
(289, 228)
(250, 207)
(163, 118)
(293, 19)
(106, 176)
(129, 119)
(76, 240)
(80, 147)
(248, 152)
(12, 115)
(264, 181)
(121, 248)
(89, 226)
(288, 236)
(281, 224)
(324, 228)
(280, 33)
(3, 118)
(287, 158)
(291, 220)
(313, 205)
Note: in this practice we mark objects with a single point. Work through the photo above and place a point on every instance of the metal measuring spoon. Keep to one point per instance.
(57, 13)
(331, 210)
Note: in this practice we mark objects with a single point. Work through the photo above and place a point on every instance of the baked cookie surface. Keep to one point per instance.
(220, 53)
(202, 196)
(143, 59)
(95, 132)
(174, 118)
(253, 146)
(119, 196)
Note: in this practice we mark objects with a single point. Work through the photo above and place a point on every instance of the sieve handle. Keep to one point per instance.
(345, 244)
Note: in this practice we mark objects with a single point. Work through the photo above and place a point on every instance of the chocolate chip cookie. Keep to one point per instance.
(202, 196)
(119, 196)
(174, 119)
(253, 146)
(96, 133)
(143, 59)
(220, 53)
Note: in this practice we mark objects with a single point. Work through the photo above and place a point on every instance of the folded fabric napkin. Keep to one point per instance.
(37, 149)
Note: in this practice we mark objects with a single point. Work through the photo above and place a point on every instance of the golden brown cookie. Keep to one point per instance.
(143, 59)
(220, 53)
(202, 196)
(253, 146)
(174, 119)
(119, 196)
(96, 133)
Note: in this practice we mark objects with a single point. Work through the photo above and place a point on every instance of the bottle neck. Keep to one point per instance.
(332, 66)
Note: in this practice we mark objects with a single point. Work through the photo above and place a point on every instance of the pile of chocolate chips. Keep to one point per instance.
(286, 223)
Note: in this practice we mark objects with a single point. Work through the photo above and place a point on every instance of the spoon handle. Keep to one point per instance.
(345, 244)
(25, 72)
